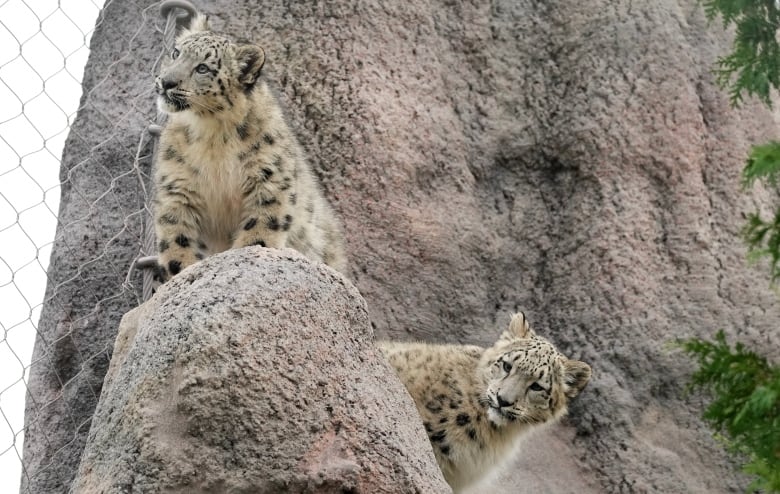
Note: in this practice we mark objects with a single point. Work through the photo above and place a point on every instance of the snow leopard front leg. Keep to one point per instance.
(176, 226)
(267, 212)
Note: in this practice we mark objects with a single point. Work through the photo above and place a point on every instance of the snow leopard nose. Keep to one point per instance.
(502, 402)
(163, 85)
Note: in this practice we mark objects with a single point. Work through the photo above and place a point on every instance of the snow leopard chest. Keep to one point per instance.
(218, 179)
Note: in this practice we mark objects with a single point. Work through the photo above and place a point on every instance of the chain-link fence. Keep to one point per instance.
(44, 47)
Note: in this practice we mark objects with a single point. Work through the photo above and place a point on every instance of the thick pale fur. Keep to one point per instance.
(476, 402)
(230, 172)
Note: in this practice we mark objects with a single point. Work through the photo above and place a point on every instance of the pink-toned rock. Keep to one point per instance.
(570, 159)
(254, 371)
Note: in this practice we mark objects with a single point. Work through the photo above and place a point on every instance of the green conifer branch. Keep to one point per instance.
(753, 67)
(745, 406)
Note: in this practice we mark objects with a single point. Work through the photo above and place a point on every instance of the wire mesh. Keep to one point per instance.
(45, 45)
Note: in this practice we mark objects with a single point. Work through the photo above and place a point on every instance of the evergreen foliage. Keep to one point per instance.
(753, 68)
(745, 388)
(745, 405)
(756, 55)
(763, 163)
(763, 237)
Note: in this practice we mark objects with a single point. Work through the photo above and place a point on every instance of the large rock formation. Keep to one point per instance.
(573, 159)
(98, 236)
(254, 371)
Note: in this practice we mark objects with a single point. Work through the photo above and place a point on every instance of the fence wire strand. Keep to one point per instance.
(43, 47)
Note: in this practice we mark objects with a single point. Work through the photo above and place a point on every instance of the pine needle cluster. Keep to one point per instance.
(745, 406)
(763, 236)
(744, 387)
(753, 67)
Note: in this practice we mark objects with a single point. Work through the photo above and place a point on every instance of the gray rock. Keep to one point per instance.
(98, 236)
(570, 159)
(254, 371)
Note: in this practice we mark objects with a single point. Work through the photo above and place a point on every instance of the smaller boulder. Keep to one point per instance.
(254, 371)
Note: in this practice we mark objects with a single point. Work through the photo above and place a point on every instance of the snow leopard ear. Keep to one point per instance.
(518, 328)
(576, 375)
(199, 23)
(251, 59)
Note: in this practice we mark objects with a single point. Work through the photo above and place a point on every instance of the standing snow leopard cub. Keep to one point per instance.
(230, 172)
(476, 402)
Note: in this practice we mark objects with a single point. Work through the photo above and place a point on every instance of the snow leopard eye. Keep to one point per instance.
(202, 68)
(175, 54)
(536, 387)
(507, 366)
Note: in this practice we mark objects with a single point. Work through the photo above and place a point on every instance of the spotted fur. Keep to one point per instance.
(230, 172)
(476, 402)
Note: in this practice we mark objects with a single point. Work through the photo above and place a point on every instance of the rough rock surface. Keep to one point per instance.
(572, 159)
(254, 371)
(98, 236)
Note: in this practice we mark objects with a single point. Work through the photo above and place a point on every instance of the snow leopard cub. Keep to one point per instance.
(476, 403)
(230, 172)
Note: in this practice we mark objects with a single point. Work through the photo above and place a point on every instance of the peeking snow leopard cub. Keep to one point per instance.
(230, 172)
(476, 402)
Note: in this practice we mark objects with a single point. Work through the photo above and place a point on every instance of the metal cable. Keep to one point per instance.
(174, 12)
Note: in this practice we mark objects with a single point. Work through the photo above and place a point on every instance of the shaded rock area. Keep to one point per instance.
(99, 233)
(254, 371)
(571, 159)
